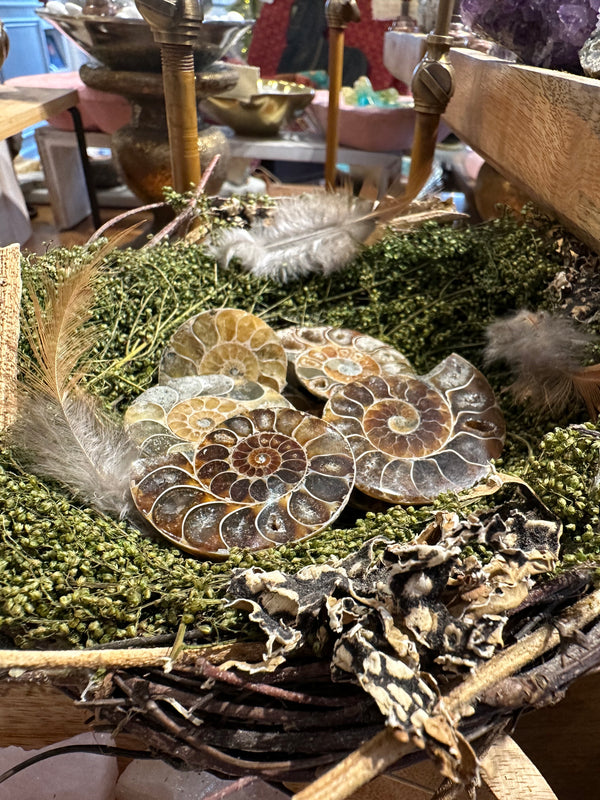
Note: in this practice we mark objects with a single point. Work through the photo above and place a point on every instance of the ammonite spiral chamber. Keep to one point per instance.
(168, 417)
(229, 342)
(268, 477)
(415, 437)
(323, 358)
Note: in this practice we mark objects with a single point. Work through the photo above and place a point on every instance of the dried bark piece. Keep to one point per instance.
(268, 477)
(324, 358)
(225, 341)
(415, 437)
(10, 305)
(167, 418)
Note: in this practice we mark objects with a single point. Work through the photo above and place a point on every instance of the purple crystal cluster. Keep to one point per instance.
(542, 33)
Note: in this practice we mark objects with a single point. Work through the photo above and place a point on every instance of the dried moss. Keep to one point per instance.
(68, 575)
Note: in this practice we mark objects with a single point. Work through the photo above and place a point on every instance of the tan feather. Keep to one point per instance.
(60, 429)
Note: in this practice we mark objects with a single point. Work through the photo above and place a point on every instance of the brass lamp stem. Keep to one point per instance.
(179, 80)
(339, 13)
(433, 79)
(175, 25)
(432, 87)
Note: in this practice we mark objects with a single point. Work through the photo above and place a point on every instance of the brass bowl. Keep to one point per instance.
(263, 114)
(128, 44)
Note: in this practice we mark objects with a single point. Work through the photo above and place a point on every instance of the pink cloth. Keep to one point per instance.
(100, 111)
(379, 130)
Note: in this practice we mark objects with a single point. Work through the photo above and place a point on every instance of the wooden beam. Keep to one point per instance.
(539, 128)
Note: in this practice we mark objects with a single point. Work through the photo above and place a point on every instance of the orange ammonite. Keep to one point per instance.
(415, 437)
(169, 417)
(323, 358)
(225, 341)
(267, 477)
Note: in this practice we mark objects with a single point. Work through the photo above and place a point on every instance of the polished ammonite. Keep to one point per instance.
(168, 417)
(225, 341)
(323, 358)
(260, 479)
(415, 437)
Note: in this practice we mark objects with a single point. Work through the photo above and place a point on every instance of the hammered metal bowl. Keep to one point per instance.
(128, 44)
(275, 104)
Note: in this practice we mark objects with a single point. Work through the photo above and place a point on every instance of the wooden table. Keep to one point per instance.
(22, 106)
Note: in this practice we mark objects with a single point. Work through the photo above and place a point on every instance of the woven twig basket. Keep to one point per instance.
(294, 724)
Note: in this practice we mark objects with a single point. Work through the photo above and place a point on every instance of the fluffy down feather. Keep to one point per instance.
(318, 232)
(545, 353)
(74, 443)
(59, 429)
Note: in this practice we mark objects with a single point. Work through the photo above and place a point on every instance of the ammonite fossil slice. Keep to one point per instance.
(414, 437)
(323, 358)
(165, 417)
(225, 341)
(268, 477)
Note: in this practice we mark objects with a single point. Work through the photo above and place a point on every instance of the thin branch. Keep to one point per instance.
(119, 218)
(187, 214)
(387, 747)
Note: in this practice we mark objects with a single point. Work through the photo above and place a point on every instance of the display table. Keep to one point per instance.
(18, 110)
(22, 106)
(310, 148)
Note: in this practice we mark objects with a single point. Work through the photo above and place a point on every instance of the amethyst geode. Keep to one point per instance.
(543, 33)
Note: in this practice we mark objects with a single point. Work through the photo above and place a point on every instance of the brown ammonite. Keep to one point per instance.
(323, 358)
(267, 477)
(169, 417)
(415, 437)
(225, 341)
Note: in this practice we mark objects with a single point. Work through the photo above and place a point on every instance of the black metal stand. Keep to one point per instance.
(85, 163)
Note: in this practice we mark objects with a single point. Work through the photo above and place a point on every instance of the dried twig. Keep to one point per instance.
(119, 658)
(389, 746)
(120, 217)
(186, 216)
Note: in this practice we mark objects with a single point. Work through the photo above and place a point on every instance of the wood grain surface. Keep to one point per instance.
(21, 107)
(539, 128)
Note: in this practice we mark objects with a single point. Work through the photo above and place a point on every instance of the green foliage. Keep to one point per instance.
(70, 576)
(565, 473)
(73, 577)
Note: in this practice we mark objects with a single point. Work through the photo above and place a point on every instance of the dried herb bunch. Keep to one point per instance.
(71, 576)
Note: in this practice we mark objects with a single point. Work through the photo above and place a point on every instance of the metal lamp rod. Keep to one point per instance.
(175, 25)
(339, 13)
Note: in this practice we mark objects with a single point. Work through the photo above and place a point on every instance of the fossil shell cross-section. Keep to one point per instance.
(415, 437)
(268, 477)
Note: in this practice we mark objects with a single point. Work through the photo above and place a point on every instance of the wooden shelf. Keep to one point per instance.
(539, 128)
(21, 107)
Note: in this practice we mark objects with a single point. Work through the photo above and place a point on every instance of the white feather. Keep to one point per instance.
(60, 430)
(320, 232)
(74, 443)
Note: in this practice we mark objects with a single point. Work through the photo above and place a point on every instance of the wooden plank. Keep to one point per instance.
(21, 107)
(33, 716)
(539, 128)
(402, 52)
(564, 740)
